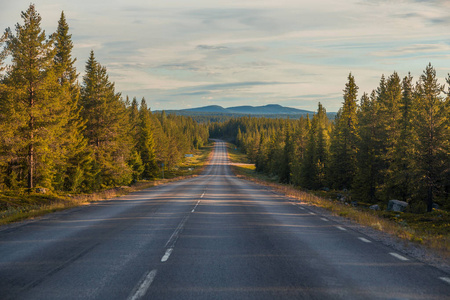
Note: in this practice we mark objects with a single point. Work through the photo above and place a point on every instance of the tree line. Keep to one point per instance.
(61, 135)
(393, 143)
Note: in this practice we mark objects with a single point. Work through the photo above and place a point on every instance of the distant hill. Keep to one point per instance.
(270, 109)
(208, 109)
(219, 113)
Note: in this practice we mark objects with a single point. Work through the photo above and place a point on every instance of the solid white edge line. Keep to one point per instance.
(143, 285)
(166, 255)
(341, 228)
(323, 219)
(364, 240)
(446, 279)
(396, 255)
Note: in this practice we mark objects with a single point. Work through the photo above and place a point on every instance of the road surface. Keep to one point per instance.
(210, 237)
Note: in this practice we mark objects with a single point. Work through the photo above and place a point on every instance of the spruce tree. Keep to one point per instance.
(431, 126)
(36, 104)
(146, 144)
(78, 156)
(369, 161)
(106, 128)
(389, 118)
(400, 170)
(6, 131)
(288, 152)
(343, 147)
(317, 152)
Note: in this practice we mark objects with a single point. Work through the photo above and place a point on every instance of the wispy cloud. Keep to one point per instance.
(181, 53)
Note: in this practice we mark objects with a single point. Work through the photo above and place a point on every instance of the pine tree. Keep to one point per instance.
(317, 152)
(78, 155)
(288, 152)
(389, 118)
(399, 179)
(106, 128)
(368, 171)
(146, 142)
(344, 139)
(36, 104)
(6, 132)
(300, 144)
(431, 126)
(446, 175)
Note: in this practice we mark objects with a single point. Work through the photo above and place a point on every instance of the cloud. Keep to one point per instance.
(415, 50)
(210, 47)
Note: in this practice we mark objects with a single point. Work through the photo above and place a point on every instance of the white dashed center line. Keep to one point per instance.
(446, 279)
(195, 206)
(364, 240)
(166, 255)
(311, 213)
(323, 219)
(396, 255)
(143, 285)
(341, 228)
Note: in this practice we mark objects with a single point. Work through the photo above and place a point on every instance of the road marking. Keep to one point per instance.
(446, 279)
(143, 285)
(341, 228)
(301, 208)
(195, 206)
(311, 213)
(166, 255)
(202, 195)
(396, 255)
(173, 238)
(323, 219)
(364, 240)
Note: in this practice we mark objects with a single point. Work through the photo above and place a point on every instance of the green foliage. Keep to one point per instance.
(394, 145)
(35, 105)
(344, 139)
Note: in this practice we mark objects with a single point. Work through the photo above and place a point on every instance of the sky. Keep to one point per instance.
(190, 53)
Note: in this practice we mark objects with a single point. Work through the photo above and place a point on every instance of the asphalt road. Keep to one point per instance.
(210, 237)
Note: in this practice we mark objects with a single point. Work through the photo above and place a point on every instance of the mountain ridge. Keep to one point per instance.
(269, 109)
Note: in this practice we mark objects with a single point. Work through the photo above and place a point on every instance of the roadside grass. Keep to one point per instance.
(20, 205)
(431, 230)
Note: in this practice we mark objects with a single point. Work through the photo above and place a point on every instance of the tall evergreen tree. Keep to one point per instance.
(432, 127)
(78, 156)
(316, 152)
(6, 131)
(343, 147)
(35, 102)
(399, 179)
(389, 118)
(146, 144)
(106, 127)
(288, 152)
(369, 164)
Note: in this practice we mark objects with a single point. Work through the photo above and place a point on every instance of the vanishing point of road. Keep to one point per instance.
(213, 236)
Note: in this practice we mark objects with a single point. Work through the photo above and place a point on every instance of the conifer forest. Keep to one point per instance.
(65, 133)
(75, 134)
(393, 143)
